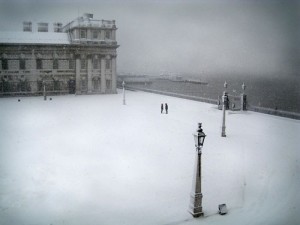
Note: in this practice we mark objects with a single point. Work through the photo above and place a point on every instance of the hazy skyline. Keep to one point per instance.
(199, 37)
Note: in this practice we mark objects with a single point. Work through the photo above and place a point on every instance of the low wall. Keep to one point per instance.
(201, 99)
(292, 115)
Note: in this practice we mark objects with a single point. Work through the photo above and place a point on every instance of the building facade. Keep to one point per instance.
(79, 57)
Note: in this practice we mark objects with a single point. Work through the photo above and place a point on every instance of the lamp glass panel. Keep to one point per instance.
(202, 140)
(196, 139)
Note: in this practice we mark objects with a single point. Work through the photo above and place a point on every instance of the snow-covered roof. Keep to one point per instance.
(33, 38)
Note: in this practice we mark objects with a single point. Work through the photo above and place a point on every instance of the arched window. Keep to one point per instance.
(82, 33)
(39, 64)
(108, 64)
(22, 64)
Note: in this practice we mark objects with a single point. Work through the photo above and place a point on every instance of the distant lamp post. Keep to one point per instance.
(225, 85)
(123, 84)
(44, 92)
(243, 98)
(225, 99)
(243, 87)
(196, 195)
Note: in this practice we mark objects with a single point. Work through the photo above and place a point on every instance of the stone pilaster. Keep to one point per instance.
(89, 74)
(113, 34)
(114, 74)
(34, 75)
(102, 34)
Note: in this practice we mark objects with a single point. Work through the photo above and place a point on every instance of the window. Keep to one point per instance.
(57, 27)
(22, 64)
(4, 64)
(39, 64)
(107, 64)
(108, 84)
(96, 64)
(71, 64)
(95, 34)
(27, 26)
(55, 64)
(42, 27)
(83, 64)
(82, 34)
(107, 34)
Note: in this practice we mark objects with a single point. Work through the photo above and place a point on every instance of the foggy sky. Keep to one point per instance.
(199, 37)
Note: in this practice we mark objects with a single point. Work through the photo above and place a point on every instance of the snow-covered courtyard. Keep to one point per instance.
(87, 160)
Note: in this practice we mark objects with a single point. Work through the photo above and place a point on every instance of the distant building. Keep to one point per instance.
(79, 57)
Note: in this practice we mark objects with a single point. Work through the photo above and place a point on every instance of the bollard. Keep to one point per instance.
(223, 209)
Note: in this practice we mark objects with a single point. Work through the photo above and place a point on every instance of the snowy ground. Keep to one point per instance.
(86, 160)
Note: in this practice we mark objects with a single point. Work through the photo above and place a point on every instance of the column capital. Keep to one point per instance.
(89, 56)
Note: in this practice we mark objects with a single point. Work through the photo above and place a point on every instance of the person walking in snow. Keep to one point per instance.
(166, 107)
(161, 108)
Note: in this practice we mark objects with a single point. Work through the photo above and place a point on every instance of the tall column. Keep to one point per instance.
(33, 75)
(114, 74)
(103, 78)
(89, 74)
(78, 78)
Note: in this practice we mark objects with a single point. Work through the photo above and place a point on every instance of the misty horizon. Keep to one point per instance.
(188, 37)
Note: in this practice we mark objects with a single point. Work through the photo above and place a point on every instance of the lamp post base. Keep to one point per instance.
(196, 205)
(196, 212)
(223, 134)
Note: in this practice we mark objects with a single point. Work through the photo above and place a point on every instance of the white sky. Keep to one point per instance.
(201, 37)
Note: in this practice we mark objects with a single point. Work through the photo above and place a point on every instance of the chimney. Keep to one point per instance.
(88, 15)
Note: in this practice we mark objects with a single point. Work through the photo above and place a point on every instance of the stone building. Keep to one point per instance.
(79, 57)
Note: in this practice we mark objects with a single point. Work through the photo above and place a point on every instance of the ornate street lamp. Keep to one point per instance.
(199, 137)
(225, 99)
(123, 84)
(196, 194)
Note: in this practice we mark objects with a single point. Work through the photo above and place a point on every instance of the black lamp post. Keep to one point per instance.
(243, 98)
(225, 102)
(196, 194)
